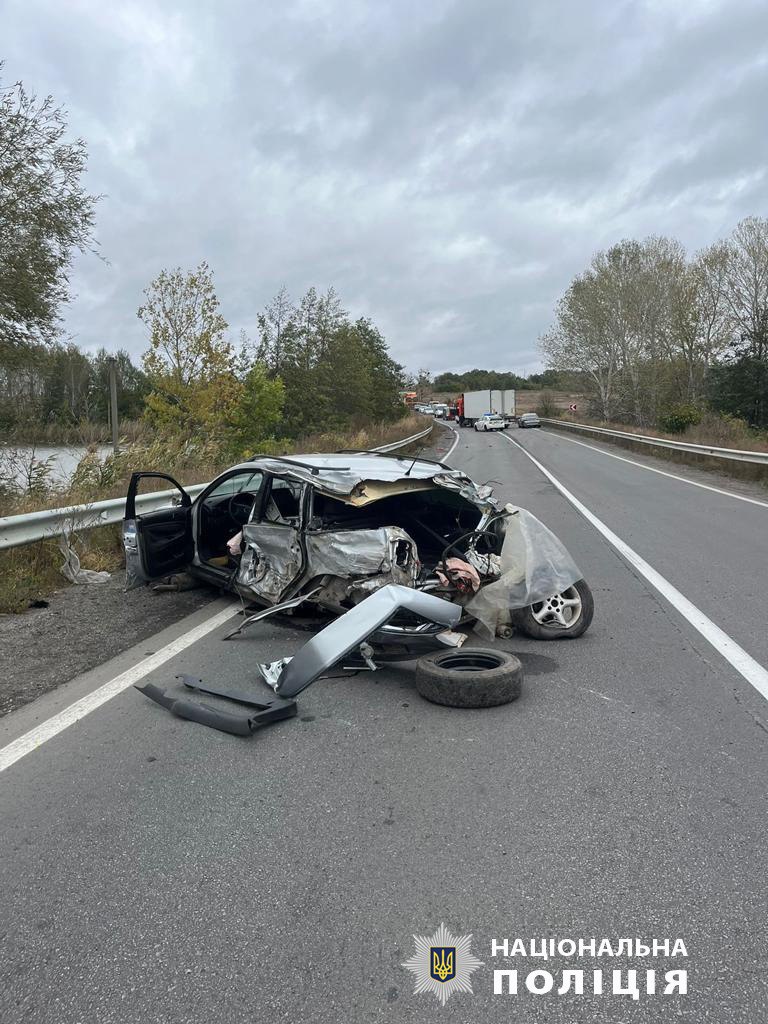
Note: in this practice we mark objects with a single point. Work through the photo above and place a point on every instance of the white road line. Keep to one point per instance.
(47, 730)
(450, 451)
(661, 472)
(744, 663)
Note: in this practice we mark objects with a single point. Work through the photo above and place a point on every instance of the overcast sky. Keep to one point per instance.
(446, 166)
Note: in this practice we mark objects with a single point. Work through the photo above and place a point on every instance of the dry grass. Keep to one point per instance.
(719, 431)
(28, 574)
(371, 436)
(76, 434)
(31, 572)
(714, 430)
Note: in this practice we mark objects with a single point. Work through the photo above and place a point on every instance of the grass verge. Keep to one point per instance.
(717, 431)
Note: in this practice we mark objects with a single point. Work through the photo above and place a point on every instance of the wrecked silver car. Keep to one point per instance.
(318, 534)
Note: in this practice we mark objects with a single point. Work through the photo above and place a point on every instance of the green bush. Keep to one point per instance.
(678, 418)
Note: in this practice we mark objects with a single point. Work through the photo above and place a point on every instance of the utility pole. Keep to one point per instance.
(113, 402)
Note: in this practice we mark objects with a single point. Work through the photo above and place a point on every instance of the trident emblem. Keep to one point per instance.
(443, 963)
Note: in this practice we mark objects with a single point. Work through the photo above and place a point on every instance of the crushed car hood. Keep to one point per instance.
(361, 478)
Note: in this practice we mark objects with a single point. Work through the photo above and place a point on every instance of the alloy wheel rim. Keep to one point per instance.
(559, 611)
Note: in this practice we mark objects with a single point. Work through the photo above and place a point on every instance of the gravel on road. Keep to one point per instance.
(82, 627)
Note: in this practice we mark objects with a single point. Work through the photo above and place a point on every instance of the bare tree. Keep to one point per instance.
(584, 339)
(699, 324)
(747, 283)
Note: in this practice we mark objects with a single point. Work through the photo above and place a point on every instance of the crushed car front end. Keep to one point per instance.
(371, 521)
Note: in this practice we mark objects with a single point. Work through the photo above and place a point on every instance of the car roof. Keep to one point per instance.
(370, 465)
(345, 474)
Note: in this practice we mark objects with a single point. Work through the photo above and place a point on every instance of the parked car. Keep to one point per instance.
(491, 421)
(528, 419)
(324, 532)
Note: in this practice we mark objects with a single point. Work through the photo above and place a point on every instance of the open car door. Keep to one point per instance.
(157, 542)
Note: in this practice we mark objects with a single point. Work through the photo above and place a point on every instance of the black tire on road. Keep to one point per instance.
(469, 677)
(529, 620)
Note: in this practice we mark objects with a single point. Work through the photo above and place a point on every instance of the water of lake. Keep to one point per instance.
(64, 460)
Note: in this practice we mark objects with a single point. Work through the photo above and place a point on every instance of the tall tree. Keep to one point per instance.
(742, 380)
(386, 376)
(747, 284)
(583, 339)
(45, 214)
(190, 365)
(277, 327)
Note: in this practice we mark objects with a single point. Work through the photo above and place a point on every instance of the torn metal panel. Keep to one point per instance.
(272, 559)
(387, 551)
(272, 670)
(375, 490)
(274, 609)
(350, 630)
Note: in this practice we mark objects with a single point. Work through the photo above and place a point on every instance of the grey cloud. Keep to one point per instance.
(447, 166)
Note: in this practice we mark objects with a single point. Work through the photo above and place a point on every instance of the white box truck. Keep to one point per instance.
(474, 404)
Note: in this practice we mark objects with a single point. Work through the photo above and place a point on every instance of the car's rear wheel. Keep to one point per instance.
(469, 678)
(562, 616)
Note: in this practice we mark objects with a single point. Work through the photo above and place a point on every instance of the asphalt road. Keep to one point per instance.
(154, 870)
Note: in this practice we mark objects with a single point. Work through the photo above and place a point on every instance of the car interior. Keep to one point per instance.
(223, 513)
(434, 518)
(242, 498)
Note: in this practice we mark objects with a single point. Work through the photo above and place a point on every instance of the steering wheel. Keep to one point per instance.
(239, 506)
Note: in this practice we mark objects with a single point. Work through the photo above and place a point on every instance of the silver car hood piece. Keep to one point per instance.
(290, 676)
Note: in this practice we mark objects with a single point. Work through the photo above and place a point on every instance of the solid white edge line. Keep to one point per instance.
(661, 472)
(451, 450)
(744, 663)
(51, 727)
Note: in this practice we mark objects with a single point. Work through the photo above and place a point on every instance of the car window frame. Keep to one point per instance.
(259, 511)
(210, 492)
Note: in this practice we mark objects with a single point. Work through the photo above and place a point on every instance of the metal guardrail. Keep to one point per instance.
(761, 458)
(51, 522)
(406, 441)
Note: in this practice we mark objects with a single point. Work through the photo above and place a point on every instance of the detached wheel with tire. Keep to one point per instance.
(469, 678)
(563, 616)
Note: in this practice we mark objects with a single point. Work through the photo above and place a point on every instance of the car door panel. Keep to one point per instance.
(158, 542)
(272, 559)
(273, 556)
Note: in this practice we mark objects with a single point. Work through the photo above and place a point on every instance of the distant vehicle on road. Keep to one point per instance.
(528, 419)
(441, 410)
(491, 421)
(474, 404)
